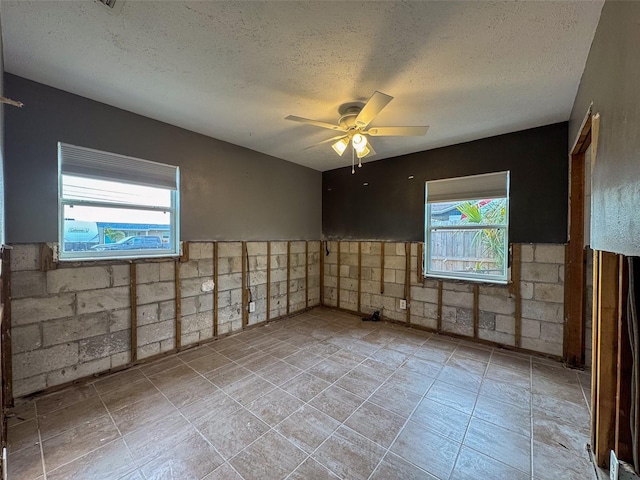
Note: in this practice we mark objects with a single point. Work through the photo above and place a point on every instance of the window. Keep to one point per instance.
(113, 206)
(466, 227)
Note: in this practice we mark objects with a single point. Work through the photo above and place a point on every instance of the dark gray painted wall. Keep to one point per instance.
(227, 192)
(391, 207)
(611, 80)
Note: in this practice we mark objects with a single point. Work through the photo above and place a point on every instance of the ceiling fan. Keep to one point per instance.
(353, 124)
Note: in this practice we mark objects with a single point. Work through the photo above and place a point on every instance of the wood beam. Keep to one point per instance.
(215, 289)
(268, 281)
(245, 297)
(5, 333)
(359, 275)
(516, 268)
(407, 279)
(133, 295)
(178, 294)
(288, 276)
(338, 280)
(623, 438)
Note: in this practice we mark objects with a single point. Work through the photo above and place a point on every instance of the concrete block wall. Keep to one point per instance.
(541, 287)
(75, 321)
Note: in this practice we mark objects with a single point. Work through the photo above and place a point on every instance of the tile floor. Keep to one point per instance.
(322, 395)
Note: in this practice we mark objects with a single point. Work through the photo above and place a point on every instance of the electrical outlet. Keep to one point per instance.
(252, 307)
(403, 304)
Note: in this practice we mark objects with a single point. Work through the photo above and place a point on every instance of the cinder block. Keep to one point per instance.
(190, 338)
(257, 248)
(188, 306)
(232, 281)
(104, 345)
(24, 339)
(189, 269)
(196, 322)
(77, 327)
(120, 359)
(167, 271)
(502, 305)
(78, 371)
(230, 249)
(200, 250)
(26, 386)
(149, 350)
(101, 300)
(120, 275)
(540, 272)
(526, 253)
(498, 337)
(395, 262)
(205, 302)
(36, 362)
(119, 320)
(547, 312)
(431, 311)
(547, 253)
(395, 290)
(538, 345)
(167, 310)
(32, 310)
(155, 332)
(155, 292)
(205, 268)
(77, 279)
(424, 322)
(505, 324)
(547, 292)
(147, 273)
(551, 332)
(190, 287)
(530, 328)
(424, 294)
(389, 275)
(28, 283)
(149, 313)
(487, 320)
(526, 290)
(464, 316)
(25, 257)
(457, 299)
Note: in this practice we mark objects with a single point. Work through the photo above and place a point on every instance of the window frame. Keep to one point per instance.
(173, 210)
(471, 277)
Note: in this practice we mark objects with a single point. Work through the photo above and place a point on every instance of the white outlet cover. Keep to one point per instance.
(252, 307)
(403, 304)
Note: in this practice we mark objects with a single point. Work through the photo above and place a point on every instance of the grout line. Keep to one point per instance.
(44, 468)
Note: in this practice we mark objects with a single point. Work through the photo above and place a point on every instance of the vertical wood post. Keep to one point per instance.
(359, 276)
(5, 333)
(420, 263)
(133, 295)
(306, 274)
(407, 279)
(516, 267)
(606, 364)
(338, 281)
(322, 255)
(595, 344)
(476, 310)
(623, 439)
(215, 289)
(178, 293)
(268, 281)
(288, 275)
(381, 268)
(245, 297)
(439, 327)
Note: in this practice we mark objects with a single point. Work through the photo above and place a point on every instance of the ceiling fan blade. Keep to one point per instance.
(397, 131)
(332, 139)
(317, 123)
(372, 108)
(372, 152)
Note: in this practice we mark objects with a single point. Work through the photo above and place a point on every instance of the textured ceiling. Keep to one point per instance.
(233, 70)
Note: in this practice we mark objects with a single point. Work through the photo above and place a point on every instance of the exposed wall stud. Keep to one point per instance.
(306, 274)
(133, 295)
(476, 310)
(381, 268)
(288, 276)
(215, 289)
(623, 444)
(245, 297)
(439, 327)
(5, 334)
(268, 281)
(338, 281)
(407, 279)
(176, 276)
(420, 263)
(322, 255)
(359, 275)
(515, 290)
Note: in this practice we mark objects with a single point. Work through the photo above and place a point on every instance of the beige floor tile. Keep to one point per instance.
(269, 457)
(472, 465)
(312, 470)
(395, 399)
(377, 424)
(138, 414)
(461, 378)
(394, 467)
(279, 373)
(275, 406)
(215, 404)
(426, 449)
(307, 428)
(521, 363)
(194, 353)
(452, 396)
(336, 402)
(171, 376)
(117, 380)
(553, 463)
(22, 410)
(21, 435)
(248, 389)
(422, 367)
(161, 365)
(349, 454)
(302, 359)
(25, 464)
(232, 433)
(518, 378)
(305, 386)
(507, 415)
(193, 458)
(506, 392)
(79, 441)
(64, 419)
(107, 462)
(185, 393)
(442, 419)
(210, 362)
(328, 370)
(411, 381)
(224, 376)
(360, 381)
(224, 472)
(64, 398)
(500, 444)
(127, 394)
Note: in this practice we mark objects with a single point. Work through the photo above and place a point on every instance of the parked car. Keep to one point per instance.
(131, 243)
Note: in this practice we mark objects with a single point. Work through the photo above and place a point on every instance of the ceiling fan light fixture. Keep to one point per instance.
(363, 152)
(340, 146)
(359, 143)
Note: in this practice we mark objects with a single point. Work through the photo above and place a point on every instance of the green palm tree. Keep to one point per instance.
(491, 240)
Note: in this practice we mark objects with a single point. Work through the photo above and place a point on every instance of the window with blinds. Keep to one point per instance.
(466, 227)
(114, 206)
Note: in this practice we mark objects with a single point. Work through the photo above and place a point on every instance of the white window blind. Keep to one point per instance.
(89, 163)
(489, 185)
